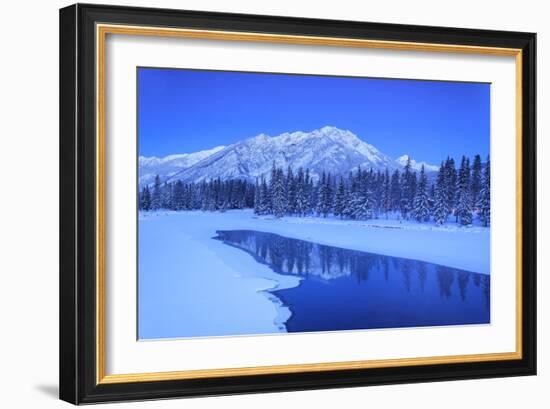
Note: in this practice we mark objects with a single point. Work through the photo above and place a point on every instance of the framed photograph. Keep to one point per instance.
(258, 203)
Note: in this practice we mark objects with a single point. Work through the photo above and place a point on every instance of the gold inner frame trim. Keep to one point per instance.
(101, 33)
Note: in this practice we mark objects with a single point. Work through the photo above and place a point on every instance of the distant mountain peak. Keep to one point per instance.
(170, 165)
(402, 160)
(326, 149)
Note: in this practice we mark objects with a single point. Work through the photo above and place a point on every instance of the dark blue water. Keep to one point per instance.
(346, 289)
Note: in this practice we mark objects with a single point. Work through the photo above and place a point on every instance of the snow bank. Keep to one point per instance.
(191, 285)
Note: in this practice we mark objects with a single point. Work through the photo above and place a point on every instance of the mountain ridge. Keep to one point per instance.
(327, 149)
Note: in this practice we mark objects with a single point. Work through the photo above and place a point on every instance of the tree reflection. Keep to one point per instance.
(486, 288)
(445, 278)
(463, 278)
(299, 257)
(422, 275)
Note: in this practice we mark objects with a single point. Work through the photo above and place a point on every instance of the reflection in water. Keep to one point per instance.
(349, 289)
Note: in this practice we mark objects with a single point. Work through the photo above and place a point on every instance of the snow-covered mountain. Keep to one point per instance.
(166, 167)
(328, 149)
(402, 161)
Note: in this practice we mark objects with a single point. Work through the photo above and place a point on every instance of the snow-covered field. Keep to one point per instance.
(192, 285)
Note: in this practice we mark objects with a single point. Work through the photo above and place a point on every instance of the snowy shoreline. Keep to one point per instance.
(192, 285)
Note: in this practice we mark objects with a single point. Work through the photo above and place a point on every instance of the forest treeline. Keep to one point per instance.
(456, 193)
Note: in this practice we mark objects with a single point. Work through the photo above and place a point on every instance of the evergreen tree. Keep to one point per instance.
(265, 198)
(340, 199)
(257, 198)
(156, 200)
(476, 180)
(178, 202)
(440, 210)
(378, 193)
(302, 202)
(386, 193)
(408, 189)
(324, 196)
(145, 199)
(413, 185)
(450, 185)
(271, 188)
(331, 188)
(361, 200)
(166, 196)
(250, 191)
(291, 191)
(484, 202)
(361, 206)
(464, 208)
(421, 205)
(278, 194)
(395, 191)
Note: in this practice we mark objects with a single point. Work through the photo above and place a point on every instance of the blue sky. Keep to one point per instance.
(182, 111)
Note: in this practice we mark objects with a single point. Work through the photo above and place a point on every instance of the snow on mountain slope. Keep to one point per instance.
(327, 149)
(402, 161)
(166, 167)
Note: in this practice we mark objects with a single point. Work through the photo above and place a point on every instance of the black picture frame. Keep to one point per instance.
(78, 360)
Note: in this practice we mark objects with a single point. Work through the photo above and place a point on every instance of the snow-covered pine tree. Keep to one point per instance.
(156, 200)
(440, 211)
(145, 199)
(362, 205)
(395, 191)
(216, 198)
(291, 191)
(464, 207)
(325, 199)
(386, 193)
(322, 195)
(265, 198)
(309, 193)
(250, 191)
(476, 180)
(377, 183)
(421, 205)
(352, 192)
(340, 199)
(278, 194)
(450, 185)
(301, 206)
(178, 196)
(185, 202)
(314, 195)
(413, 183)
(431, 195)
(484, 202)
(406, 190)
(191, 197)
(166, 196)
(257, 198)
(206, 194)
(140, 199)
(229, 193)
(194, 202)
(244, 194)
(330, 192)
(271, 186)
